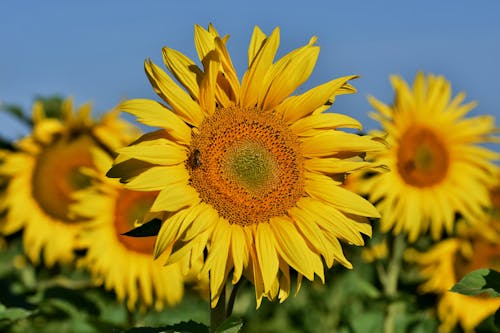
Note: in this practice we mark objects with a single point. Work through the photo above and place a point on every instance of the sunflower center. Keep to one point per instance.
(251, 165)
(247, 164)
(57, 174)
(422, 157)
(131, 206)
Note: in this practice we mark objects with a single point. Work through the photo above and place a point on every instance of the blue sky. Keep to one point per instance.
(94, 50)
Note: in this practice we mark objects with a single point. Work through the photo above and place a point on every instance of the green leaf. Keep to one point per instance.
(150, 228)
(230, 325)
(52, 105)
(372, 321)
(13, 314)
(496, 319)
(478, 282)
(183, 327)
(17, 112)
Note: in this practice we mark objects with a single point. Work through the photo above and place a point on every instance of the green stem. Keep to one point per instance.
(232, 297)
(218, 313)
(390, 280)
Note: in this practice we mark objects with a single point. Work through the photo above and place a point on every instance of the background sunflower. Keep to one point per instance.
(122, 263)
(443, 265)
(43, 172)
(439, 166)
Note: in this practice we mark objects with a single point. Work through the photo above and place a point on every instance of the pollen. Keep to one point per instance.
(423, 160)
(249, 165)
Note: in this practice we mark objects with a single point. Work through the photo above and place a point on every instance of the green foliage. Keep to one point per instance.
(481, 281)
(183, 327)
(64, 299)
(51, 105)
(230, 325)
(17, 112)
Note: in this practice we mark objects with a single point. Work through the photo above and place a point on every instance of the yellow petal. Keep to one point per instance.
(207, 86)
(286, 76)
(154, 114)
(284, 282)
(334, 244)
(184, 70)
(202, 217)
(239, 251)
(217, 259)
(228, 70)
(333, 165)
(292, 247)
(309, 125)
(180, 101)
(252, 79)
(256, 43)
(169, 231)
(296, 107)
(325, 189)
(327, 143)
(203, 41)
(158, 178)
(333, 221)
(309, 228)
(266, 254)
(37, 112)
(384, 109)
(162, 152)
(175, 197)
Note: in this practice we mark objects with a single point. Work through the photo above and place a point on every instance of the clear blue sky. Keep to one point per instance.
(94, 50)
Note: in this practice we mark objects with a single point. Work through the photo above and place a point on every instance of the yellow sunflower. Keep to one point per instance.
(450, 260)
(122, 263)
(438, 167)
(245, 170)
(44, 171)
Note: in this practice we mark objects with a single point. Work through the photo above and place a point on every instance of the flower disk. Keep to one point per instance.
(249, 165)
(246, 171)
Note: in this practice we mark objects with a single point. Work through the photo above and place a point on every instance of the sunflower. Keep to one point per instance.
(122, 263)
(450, 260)
(438, 168)
(246, 171)
(44, 171)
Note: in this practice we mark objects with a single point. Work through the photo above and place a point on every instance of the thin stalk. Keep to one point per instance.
(390, 280)
(232, 297)
(218, 313)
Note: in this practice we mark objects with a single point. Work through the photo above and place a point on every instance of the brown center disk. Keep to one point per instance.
(247, 164)
(57, 174)
(422, 158)
(131, 206)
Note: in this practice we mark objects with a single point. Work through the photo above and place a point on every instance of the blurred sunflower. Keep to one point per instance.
(245, 171)
(450, 260)
(44, 171)
(438, 166)
(122, 263)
